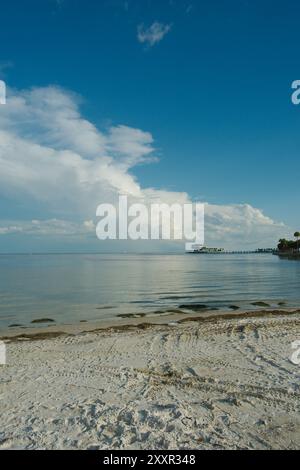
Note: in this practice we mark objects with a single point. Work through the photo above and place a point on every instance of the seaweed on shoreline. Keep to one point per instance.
(43, 320)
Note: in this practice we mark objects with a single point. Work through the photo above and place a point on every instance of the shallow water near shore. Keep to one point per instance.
(65, 288)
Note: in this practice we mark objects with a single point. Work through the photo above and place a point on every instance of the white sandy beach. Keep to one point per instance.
(214, 384)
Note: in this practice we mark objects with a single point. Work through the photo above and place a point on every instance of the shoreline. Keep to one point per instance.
(135, 322)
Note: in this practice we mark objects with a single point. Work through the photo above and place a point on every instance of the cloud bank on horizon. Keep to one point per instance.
(52, 157)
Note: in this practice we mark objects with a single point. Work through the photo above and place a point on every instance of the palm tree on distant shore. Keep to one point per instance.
(297, 235)
(283, 244)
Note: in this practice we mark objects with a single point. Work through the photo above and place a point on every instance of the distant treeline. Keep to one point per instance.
(289, 245)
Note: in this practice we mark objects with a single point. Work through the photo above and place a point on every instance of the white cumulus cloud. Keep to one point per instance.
(54, 159)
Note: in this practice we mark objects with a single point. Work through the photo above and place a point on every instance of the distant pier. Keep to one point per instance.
(221, 251)
(250, 252)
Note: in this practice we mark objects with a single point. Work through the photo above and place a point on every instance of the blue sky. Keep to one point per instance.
(210, 81)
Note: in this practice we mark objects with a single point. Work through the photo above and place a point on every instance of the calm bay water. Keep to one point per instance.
(71, 288)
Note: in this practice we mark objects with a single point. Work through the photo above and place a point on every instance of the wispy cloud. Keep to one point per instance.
(189, 9)
(153, 34)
